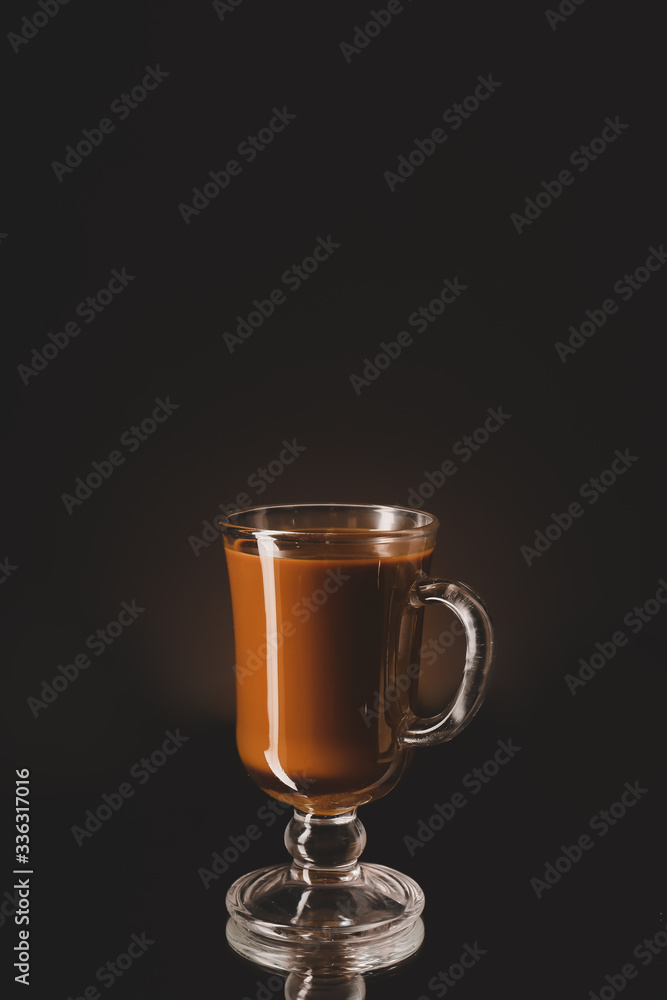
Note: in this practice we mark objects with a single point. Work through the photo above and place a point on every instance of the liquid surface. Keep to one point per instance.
(319, 641)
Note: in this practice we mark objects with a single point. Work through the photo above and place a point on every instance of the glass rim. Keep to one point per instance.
(429, 525)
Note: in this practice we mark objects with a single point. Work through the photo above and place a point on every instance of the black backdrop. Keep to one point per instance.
(456, 210)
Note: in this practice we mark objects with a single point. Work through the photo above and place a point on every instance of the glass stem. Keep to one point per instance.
(325, 848)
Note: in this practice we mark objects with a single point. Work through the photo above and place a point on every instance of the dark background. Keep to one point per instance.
(132, 538)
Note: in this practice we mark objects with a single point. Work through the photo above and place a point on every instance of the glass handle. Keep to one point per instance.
(472, 614)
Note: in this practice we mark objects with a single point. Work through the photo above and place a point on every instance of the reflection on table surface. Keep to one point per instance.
(314, 986)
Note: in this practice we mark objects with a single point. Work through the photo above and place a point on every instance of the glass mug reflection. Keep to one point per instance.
(328, 603)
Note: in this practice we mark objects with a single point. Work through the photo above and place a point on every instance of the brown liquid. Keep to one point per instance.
(338, 638)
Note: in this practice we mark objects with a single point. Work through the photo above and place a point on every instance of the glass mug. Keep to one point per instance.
(328, 602)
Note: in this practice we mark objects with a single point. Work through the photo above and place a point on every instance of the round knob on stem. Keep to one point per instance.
(325, 846)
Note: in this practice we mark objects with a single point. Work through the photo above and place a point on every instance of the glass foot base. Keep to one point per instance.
(284, 919)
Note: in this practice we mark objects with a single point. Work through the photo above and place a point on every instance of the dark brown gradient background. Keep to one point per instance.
(494, 347)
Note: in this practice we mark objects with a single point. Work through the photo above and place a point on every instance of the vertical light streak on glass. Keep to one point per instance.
(268, 550)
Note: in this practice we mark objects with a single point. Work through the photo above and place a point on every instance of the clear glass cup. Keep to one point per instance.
(328, 602)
